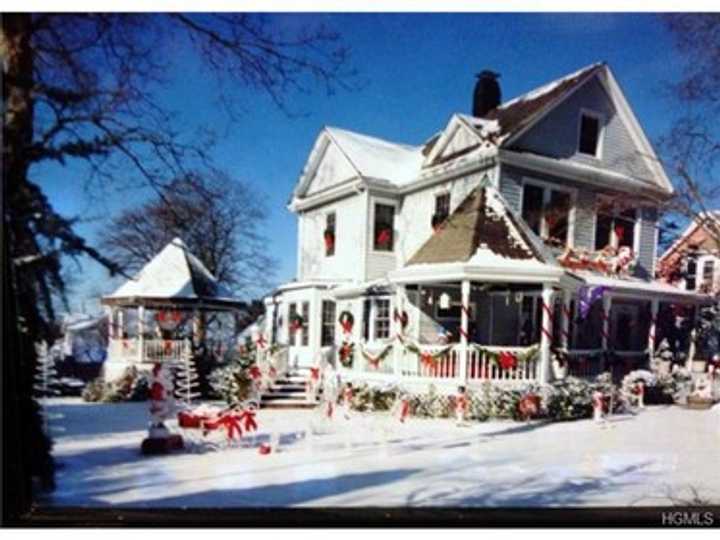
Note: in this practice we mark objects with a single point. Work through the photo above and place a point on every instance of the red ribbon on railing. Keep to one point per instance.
(315, 373)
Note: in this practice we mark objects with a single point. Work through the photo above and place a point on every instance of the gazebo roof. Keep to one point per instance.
(174, 277)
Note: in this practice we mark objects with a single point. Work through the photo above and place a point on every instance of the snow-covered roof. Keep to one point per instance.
(637, 285)
(173, 274)
(377, 158)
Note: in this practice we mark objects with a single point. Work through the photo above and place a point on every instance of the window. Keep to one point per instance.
(708, 274)
(589, 137)
(329, 234)
(547, 213)
(327, 336)
(442, 209)
(382, 319)
(306, 324)
(691, 273)
(384, 225)
(615, 228)
(292, 312)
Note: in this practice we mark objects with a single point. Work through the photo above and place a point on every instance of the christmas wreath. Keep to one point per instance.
(347, 321)
(296, 322)
(168, 319)
(345, 354)
(374, 360)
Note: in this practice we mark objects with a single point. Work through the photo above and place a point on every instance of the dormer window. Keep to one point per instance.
(589, 134)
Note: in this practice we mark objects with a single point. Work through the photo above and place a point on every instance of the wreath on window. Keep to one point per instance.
(329, 237)
(346, 354)
(384, 237)
(296, 322)
(347, 321)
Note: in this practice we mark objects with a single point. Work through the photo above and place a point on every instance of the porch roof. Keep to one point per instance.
(489, 267)
(647, 289)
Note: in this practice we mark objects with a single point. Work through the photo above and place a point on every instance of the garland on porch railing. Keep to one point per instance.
(427, 358)
(374, 360)
(507, 359)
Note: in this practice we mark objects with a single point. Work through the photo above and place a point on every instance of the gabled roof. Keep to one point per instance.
(483, 224)
(689, 231)
(173, 274)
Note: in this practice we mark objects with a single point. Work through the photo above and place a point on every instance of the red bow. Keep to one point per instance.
(254, 372)
(261, 342)
(427, 359)
(315, 373)
(508, 360)
(250, 423)
(347, 325)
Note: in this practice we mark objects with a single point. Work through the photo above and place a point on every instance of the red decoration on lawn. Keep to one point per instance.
(404, 409)
(264, 449)
(248, 416)
(508, 360)
(260, 342)
(315, 373)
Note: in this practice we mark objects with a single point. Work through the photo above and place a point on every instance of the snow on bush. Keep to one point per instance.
(232, 384)
(130, 386)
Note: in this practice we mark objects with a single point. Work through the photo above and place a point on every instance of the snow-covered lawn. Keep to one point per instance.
(648, 459)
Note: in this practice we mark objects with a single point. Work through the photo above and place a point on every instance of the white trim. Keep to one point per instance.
(453, 126)
(580, 172)
(636, 132)
(600, 135)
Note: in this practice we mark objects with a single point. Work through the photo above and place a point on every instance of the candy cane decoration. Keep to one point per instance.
(466, 310)
(548, 331)
(568, 315)
(605, 327)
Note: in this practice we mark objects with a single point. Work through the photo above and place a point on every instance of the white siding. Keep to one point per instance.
(349, 226)
(334, 168)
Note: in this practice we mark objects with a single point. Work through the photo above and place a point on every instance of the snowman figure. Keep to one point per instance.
(597, 404)
(461, 406)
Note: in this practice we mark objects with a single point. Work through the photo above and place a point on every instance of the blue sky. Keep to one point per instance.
(415, 70)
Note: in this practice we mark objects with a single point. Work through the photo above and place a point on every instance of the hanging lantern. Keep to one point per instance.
(444, 301)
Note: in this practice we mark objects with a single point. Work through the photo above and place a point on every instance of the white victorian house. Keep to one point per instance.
(464, 258)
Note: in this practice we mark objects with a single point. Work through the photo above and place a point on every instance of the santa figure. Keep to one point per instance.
(313, 383)
(639, 391)
(162, 406)
(597, 404)
(461, 405)
(401, 409)
(347, 396)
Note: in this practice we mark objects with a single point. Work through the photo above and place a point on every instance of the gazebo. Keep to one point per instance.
(152, 315)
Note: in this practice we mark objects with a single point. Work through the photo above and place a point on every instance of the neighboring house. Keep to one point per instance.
(475, 245)
(692, 262)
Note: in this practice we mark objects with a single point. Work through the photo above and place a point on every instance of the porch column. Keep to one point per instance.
(566, 316)
(464, 319)
(121, 324)
(111, 313)
(652, 334)
(606, 306)
(397, 329)
(141, 332)
(546, 333)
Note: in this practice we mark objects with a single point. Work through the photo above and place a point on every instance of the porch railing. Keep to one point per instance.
(428, 363)
(153, 350)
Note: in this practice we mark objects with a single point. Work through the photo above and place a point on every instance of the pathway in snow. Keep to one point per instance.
(649, 459)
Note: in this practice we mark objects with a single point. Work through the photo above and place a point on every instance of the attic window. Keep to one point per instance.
(589, 137)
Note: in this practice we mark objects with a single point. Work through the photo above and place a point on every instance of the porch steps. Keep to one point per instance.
(287, 392)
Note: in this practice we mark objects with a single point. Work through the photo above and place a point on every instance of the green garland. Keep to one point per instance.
(375, 360)
(427, 357)
(494, 356)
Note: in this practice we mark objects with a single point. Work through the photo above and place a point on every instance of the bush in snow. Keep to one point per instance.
(232, 384)
(499, 402)
(657, 389)
(130, 386)
(369, 398)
